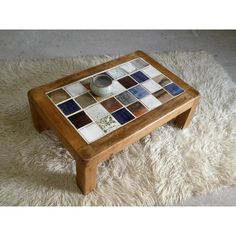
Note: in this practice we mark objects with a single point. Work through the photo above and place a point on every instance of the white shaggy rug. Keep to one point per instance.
(163, 168)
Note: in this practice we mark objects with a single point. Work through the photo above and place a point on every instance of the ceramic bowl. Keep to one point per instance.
(101, 85)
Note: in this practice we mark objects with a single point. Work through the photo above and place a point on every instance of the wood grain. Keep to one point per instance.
(88, 156)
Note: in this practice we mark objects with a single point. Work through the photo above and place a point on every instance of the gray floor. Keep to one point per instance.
(48, 44)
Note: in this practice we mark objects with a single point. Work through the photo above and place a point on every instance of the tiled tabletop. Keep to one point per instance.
(138, 88)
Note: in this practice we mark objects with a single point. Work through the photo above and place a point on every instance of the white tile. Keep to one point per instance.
(91, 132)
(139, 63)
(117, 87)
(108, 124)
(151, 85)
(151, 71)
(150, 102)
(97, 112)
(128, 67)
(116, 73)
(75, 89)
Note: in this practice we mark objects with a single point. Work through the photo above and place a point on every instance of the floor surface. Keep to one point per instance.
(49, 44)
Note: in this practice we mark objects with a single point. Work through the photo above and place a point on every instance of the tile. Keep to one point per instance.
(137, 109)
(79, 119)
(162, 80)
(151, 71)
(69, 107)
(173, 89)
(139, 77)
(116, 73)
(117, 87)
(85, 100)
(123, 116)
(111, 104)
(159, 78)
(150, 102)
(108, 124)
(97, 112)
(127, 82)
(126, 98)
(91, 132)
(139, 63)
(162, 96)
(86, 82)
(139, 92)
(58, 95)
(151, 85)
(75, 89)
(128, 67)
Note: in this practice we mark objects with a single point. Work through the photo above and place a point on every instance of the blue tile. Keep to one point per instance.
(139, 76)
(173, 89)
(126, 98)
(69, 107)
(139, 92)
(123, 116)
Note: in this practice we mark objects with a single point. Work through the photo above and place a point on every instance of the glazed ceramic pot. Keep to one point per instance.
(101, 85)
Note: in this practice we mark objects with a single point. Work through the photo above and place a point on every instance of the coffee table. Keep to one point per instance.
(145, 96)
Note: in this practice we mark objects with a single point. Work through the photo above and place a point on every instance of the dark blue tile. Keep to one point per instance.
(69, 107)
(139, 76)
(123, 116)
(139, 92)
(173, 89)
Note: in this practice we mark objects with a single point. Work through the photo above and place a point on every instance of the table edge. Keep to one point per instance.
(88, 152)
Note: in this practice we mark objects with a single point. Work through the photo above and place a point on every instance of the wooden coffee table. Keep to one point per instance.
(145, 96)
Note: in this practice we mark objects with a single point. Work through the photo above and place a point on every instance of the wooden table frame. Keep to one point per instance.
(88, 156)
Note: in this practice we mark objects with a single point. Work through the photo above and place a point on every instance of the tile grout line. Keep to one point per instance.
(112, 96)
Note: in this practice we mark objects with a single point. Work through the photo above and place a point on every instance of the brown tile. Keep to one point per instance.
(111, 104)
(162, 96)
(127, 82)
(162, 80)
(137, 109)
(58, 95)
(80, 119)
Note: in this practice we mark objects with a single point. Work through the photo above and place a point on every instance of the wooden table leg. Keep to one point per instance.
(86, 176)
(183, 120)
(38, 122)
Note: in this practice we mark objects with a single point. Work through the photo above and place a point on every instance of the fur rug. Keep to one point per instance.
(163, 168)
